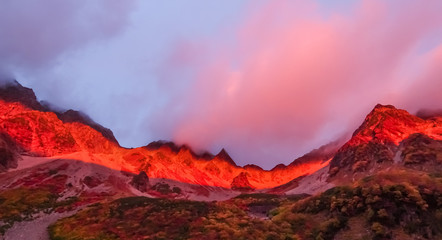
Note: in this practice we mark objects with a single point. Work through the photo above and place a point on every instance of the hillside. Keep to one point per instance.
(72, 134)
(67, 172)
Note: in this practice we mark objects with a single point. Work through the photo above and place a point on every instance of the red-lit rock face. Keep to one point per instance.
(386, 124)
(241, 183)
(43, 133)
(185, 166)
(9, 152)
(40, 133)
(72, 135)
(377, 140)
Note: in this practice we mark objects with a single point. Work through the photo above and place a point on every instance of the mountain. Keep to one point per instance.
(389, 136)
(63, 170)
(15, 92)
(50, 134)
(9, 152)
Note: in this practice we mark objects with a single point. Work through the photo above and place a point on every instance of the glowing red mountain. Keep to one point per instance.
(38, 131)
(388, 136)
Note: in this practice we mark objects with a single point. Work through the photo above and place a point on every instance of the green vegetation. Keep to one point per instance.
(387, 206)
(21, 203)
(377, 207)
(398, 204)
(419, 148)
(32, 196)
(147, 218)
(131, 218)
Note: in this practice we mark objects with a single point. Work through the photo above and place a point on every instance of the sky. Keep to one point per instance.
(266, 80)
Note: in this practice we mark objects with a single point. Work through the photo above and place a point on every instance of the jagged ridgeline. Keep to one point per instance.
(64, 175)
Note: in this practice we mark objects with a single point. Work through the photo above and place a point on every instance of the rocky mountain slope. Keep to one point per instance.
(40, 132)
(385, 182)
(387, 137)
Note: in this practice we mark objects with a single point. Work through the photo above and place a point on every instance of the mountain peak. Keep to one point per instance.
(13, 91)
(386, 123)
(80, 117)
(253, 166)
(385, 110)
(384, 107)
(223, 155)
(155, 145)
(278, 167)
(172, 146)
(377, 139)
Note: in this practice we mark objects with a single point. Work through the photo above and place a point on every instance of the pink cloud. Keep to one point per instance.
(36, 33)
(293, 79)
(425, 91)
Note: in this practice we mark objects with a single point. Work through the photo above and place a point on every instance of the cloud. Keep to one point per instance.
(267, 80)
(34, 34)
(289, 78)
(40, 45)
(425, 91)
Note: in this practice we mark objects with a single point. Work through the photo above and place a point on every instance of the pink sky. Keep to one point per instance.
(268, 81)
(293, 76)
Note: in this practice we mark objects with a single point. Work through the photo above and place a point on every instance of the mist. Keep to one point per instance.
(267, 81)
(294, 79)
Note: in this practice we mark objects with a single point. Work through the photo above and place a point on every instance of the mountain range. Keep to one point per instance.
(60, 169)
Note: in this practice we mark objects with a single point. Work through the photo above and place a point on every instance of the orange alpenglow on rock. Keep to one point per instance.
(29, 128)
(380, 138)
(42, 132)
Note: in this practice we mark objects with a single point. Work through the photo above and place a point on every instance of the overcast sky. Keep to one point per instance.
(266, 80)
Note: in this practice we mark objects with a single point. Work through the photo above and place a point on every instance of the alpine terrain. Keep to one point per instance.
(64, 176)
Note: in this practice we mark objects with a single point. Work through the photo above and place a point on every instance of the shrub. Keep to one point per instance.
(379, 231)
